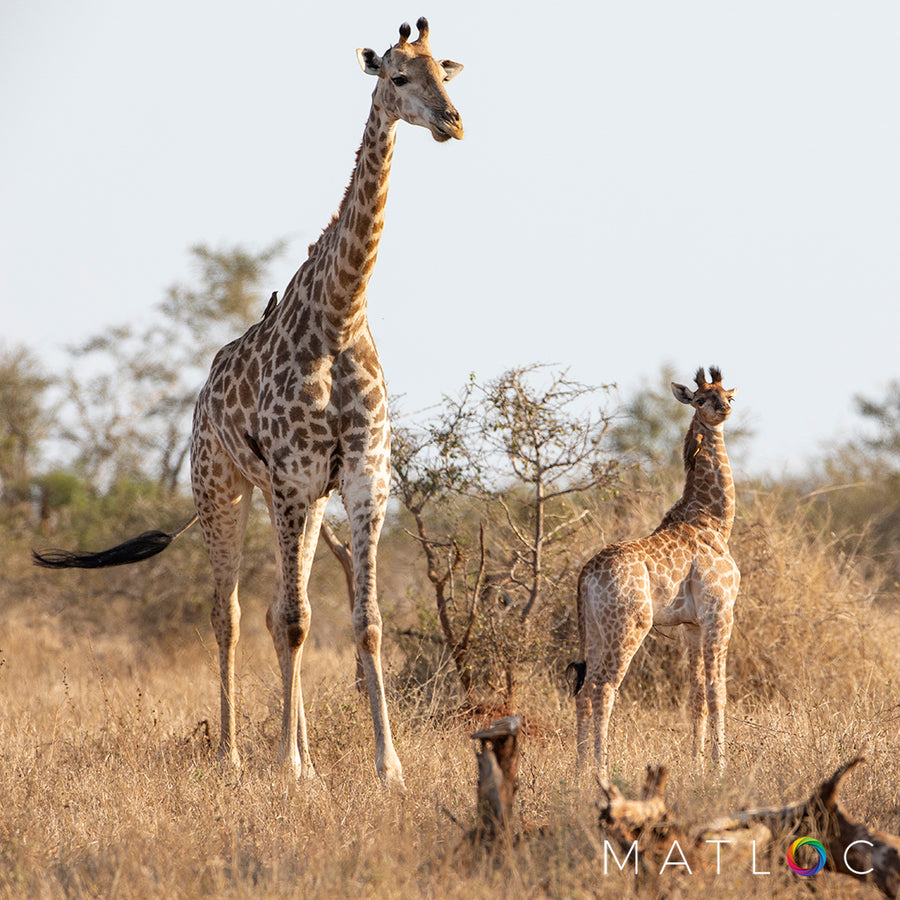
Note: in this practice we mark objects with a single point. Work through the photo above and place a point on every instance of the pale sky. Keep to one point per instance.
(640, 184)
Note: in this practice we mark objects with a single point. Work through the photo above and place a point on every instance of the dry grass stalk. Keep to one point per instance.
(108, 786)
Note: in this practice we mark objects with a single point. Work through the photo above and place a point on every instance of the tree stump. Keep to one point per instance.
(498, 776)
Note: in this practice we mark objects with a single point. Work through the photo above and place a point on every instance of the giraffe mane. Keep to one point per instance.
(340, 210)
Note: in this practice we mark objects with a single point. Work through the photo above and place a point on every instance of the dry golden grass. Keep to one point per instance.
(109, 785)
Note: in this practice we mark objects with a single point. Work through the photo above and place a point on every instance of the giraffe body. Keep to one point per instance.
(681, 574)
(297, 407)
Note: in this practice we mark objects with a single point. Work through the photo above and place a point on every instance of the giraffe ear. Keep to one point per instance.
(682, 394)
(451, 69)
(369, 60)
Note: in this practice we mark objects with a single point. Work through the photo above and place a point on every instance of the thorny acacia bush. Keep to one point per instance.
(492, 489)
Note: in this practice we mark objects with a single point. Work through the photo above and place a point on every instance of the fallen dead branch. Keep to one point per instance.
(640, 833)
(851, 848)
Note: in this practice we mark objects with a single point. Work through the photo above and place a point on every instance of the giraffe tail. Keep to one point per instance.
(576, 671)
(133, 550)
(575, 675)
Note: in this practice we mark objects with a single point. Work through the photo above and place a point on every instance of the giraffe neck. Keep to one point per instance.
(708, 496)
(335, 276)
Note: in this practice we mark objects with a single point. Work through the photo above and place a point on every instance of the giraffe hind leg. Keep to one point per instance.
(602, 701)
(223, 510)
(583, 717)
(617, 624)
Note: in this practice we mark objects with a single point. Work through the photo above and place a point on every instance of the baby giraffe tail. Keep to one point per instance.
(577, 671)
(575, 674)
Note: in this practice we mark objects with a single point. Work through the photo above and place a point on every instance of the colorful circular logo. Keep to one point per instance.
(806, 842)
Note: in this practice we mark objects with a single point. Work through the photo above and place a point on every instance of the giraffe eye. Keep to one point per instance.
(399, 80)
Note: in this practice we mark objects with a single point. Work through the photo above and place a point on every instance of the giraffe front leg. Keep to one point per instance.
(715, 647)
(288, 621)
(697, 705)
(715, 700)
(365, 508)
(716, 635)
(293, 752)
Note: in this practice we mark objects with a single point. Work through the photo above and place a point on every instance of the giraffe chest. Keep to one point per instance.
(312, 395)
(294, 412)
(319, 415)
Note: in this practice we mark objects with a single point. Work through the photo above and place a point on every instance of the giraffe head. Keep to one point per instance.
(411, 83)
(711, 401)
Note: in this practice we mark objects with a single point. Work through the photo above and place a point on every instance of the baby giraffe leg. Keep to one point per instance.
(696, 690)
(604, 697)
(583, 714)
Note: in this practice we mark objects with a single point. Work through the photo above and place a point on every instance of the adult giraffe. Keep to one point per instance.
(681, 574)
(297, 407)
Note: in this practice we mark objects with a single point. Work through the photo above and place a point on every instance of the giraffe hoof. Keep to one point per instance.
(298, 771)
(391, 776)
(394, 782)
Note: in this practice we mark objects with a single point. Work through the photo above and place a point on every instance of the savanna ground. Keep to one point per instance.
(109, 785)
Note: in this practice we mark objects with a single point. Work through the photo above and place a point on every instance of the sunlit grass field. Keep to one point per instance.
(109, 785)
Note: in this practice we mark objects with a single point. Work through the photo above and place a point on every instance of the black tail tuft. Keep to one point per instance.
(575, 675)
(141, 547)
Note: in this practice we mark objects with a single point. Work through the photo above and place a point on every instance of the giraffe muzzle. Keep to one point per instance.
(447, 126)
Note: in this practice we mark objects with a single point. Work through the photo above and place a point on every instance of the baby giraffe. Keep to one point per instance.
(681, 574)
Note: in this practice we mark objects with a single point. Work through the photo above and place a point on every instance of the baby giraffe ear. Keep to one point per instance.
(451, 69)
(682, 394)
(369, 60)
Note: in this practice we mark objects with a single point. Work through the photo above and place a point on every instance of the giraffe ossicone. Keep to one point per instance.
(681, 574)
(297, 407)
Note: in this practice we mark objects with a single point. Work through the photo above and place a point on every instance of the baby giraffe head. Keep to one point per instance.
(711, 401)
(411, 83)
